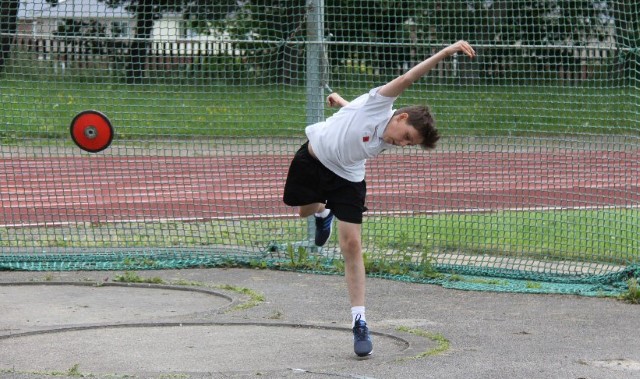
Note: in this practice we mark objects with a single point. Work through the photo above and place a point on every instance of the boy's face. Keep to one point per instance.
(400, 133)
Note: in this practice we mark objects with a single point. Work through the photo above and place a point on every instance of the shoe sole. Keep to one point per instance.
(364, 354)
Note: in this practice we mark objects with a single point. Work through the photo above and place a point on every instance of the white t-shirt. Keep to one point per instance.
(344, 141)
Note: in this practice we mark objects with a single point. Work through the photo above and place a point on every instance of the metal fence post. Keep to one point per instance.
(314, 84)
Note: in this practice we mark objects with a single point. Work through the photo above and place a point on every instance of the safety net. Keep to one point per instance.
(153, 134)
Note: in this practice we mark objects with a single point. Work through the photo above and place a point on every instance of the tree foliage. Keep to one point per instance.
(392, 32)
(8, 25)
(198, 12)
(627, 20)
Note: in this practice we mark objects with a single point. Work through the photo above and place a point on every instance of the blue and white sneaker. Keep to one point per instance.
(324, 225)
(362, 344)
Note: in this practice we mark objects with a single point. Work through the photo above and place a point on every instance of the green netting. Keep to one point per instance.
(533, 187)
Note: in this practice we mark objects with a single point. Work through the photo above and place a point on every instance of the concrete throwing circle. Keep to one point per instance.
(40, 305)
(186, 347)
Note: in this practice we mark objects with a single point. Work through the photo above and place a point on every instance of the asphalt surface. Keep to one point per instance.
(241, 323)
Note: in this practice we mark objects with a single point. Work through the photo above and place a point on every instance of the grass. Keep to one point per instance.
(534, 110)
(443, 344)
(580, 235)
(188, 109)
(605, 236)
(132, 277)
(254, 298)
(159, 234)
(632, 295)
(151, 111)
(73, 372)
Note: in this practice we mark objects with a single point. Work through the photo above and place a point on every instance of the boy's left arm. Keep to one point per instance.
(395, 87)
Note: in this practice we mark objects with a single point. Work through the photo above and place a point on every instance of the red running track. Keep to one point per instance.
(62, 190)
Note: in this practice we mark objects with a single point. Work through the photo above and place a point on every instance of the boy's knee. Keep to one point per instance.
(349, 236)
(350, 245)
(310, 209)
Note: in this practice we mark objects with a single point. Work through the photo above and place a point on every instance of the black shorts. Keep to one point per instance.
(309, 181)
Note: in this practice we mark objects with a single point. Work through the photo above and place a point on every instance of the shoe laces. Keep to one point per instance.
(360, 330)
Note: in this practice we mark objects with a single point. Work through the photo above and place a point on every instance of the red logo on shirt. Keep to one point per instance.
(365, 139)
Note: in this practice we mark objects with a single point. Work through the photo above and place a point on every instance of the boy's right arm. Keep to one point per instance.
(336, 101)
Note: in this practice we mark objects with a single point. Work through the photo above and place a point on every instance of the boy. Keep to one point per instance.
(326, 176)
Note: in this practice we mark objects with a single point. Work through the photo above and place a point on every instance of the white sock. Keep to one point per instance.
(355, 311)
(323, 214)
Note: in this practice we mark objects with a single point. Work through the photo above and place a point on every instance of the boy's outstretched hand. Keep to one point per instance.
(460, 46)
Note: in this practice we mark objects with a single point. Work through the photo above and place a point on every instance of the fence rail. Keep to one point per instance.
(82, 52)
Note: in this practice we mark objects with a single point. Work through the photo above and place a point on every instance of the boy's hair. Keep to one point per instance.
(420, 117)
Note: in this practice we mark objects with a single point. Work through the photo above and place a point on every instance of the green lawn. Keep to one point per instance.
(581, 235)
(187, 109)
(602, 236)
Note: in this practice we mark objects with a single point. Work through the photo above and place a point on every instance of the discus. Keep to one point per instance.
(91, 131)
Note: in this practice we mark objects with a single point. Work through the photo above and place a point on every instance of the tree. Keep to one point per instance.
(380, 28)
(547, 29)
(626, 15)
(8, 26)
(282, 24)
(555, 28)
(147, 11)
